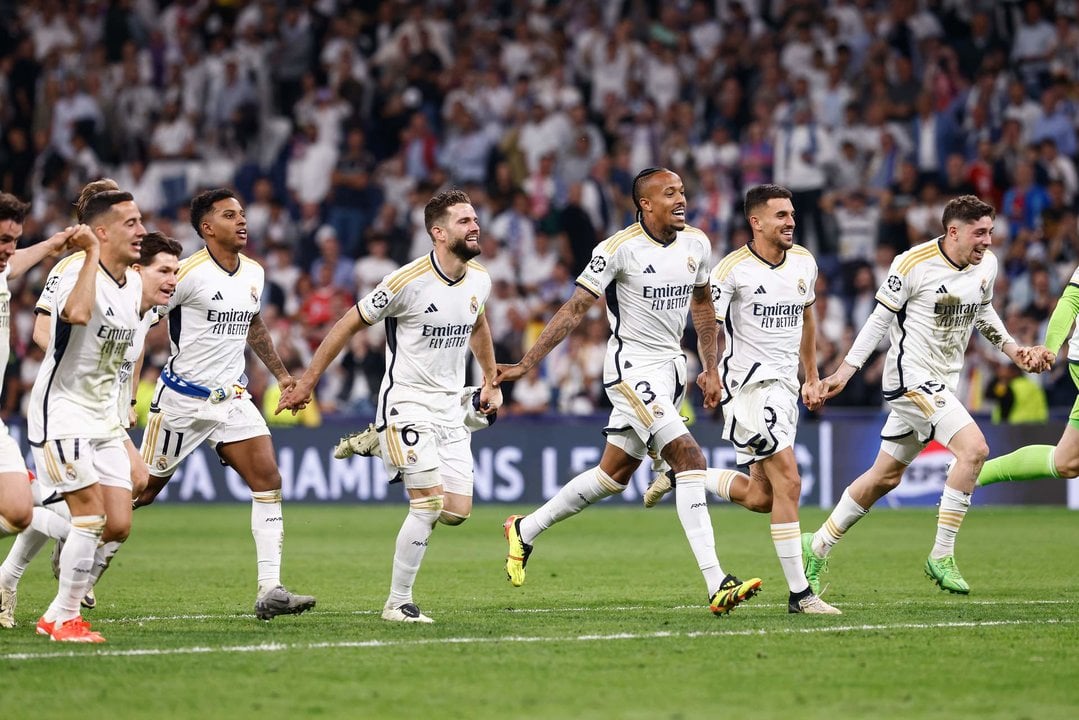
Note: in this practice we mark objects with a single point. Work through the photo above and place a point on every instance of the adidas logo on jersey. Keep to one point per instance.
(109, 312)
(430, 309)
(217, 296)
(760, 290)
(650, 269)
(942, 289)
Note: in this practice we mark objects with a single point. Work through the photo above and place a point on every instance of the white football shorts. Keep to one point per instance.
(72, 464)
(415, 448)
(761, 418)
(928, 412)
(646, 411)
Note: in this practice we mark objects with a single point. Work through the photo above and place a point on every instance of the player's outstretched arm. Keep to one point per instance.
(568, 317)
(28, 257)
(297, 396)
(834, 383)
(258, 338)
(866, 341)
(483, 348)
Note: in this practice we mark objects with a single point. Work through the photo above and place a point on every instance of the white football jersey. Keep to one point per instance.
(648, 286)
(762, 307)
(124, 392)
(429, 320)
(74, 393)
(936, 304)
(209, 316)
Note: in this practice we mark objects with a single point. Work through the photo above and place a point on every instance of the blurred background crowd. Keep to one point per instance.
(336, 121)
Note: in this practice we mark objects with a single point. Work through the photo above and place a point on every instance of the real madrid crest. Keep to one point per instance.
(69, 471)
(162, 463)
(984, 281)
(939, 401)
(657, 411)
(474, 304)
(691, 264)
(801, 286)
(254, 295)
(411, 457)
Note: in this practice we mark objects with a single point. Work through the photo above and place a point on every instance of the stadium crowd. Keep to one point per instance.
(335, 121)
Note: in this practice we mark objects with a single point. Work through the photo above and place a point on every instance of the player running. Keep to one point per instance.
(651, 274)
(433, 309)
(202, 393)
(935, 295)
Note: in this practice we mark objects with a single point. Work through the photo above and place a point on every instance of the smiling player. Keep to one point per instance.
(652, 274)
(202, 394)
(935, 295)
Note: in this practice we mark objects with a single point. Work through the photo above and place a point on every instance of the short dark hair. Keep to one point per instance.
(204, 202)
(12, 208)
(155, 243)
(100, 203)
(760, 195)
(436, 207)
(91, 189)
(636, 187)
(966, 209)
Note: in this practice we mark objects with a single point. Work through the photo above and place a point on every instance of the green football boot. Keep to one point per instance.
(945, 574)
(814, 565)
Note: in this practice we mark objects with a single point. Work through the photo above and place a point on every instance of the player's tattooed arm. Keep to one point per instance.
(564, 321)
(258, 338)
(703, 313)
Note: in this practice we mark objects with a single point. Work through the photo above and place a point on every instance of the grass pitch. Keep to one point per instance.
(612, 623)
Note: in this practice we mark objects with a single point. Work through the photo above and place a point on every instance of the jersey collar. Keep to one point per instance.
(443, 276)
(655, 239)
(121, 282)
(940, 249)
(753, 251)
(225, 270)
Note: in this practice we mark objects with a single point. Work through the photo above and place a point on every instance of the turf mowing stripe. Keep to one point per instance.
(279, 647)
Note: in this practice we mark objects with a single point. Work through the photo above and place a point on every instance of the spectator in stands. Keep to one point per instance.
(374, 265)
(354, 199)
(1025, 200)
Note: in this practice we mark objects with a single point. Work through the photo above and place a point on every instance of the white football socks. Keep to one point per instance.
(692, 507)
(787, 538)
(590, 486)
(844, 515)
(411, 546)
(953, 508)
(268, 529)
(76, 562)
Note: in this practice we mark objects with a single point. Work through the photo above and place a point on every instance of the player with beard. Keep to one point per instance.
(202, 393)
(433, 308)
(651, 273)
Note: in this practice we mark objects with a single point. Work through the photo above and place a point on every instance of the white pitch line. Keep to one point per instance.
(660, 635)
(623, 608)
